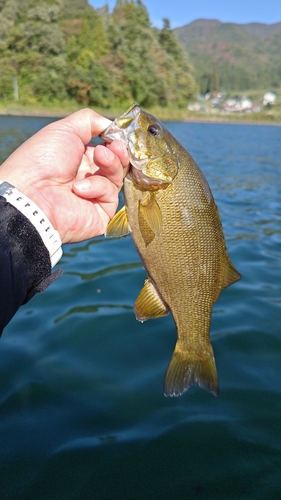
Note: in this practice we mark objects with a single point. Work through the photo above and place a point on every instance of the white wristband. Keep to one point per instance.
(49, 235)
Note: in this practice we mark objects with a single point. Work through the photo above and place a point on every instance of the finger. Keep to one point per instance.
(109, 165)
(96, 187)
(117, 147)
(87, 166)
(120, 150)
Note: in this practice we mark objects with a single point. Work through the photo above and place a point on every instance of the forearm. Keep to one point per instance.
(74, 187)
(24, 260)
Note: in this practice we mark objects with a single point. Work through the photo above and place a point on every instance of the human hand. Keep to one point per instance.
(75, 184)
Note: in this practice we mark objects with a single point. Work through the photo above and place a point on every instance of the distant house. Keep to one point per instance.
(245, 104)
(269, 98)
(239, 104)
(229, 104)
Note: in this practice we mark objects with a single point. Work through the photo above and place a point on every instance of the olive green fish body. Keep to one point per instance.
(176, 228)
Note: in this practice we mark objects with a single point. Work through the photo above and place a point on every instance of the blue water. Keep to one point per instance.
(82, 413)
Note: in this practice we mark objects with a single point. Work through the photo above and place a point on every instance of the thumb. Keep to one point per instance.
(86, 123)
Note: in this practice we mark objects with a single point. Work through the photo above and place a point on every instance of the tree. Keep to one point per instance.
(153, 74)
(169, 42)
(89, 44)
(62, 49)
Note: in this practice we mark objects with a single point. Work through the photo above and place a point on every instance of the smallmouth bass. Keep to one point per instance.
(175, 225)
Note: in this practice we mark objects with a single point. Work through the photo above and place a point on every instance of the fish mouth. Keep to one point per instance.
(123, 129)
(114, 132)
(125, 120)
(136, 172)
(119, 129)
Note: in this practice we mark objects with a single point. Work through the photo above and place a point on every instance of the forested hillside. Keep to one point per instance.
(228, 56)
(61, 50)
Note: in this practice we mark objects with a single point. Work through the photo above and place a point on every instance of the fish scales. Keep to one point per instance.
(176, 228)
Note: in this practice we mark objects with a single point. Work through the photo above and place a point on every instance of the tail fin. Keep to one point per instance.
(187, 368)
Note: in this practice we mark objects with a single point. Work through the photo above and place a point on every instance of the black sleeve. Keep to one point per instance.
(25, 266)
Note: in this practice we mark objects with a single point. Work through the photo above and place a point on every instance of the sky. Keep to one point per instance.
(181, 12)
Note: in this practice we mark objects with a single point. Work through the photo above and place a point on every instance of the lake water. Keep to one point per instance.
(82, 413)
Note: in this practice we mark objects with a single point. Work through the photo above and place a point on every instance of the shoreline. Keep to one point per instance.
(216, 120)
(233, 122)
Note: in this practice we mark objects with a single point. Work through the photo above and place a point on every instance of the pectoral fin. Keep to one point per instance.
(148, 304)
(150, 211)
(119, 225)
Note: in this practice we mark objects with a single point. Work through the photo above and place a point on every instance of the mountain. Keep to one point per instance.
(262, 30)
(229, 56)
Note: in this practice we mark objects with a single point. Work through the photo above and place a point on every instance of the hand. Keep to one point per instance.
(76, 185)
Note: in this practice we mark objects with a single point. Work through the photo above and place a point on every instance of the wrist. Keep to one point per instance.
(26, 182)
(37, 217)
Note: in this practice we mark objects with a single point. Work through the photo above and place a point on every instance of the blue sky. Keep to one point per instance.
(181, 12)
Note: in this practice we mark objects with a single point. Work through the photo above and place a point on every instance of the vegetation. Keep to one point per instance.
(234, 57)
(59, 55)
(65, 53)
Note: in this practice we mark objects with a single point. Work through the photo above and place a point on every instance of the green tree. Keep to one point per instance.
(74, 9)
(89, 44)
(152, 74)
(170, 43)
(62, 49)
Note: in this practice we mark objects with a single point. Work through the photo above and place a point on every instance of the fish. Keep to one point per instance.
(170, 212)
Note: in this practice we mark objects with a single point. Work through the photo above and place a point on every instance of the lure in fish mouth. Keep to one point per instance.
(175, 225)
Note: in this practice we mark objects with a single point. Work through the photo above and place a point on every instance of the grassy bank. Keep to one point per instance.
(267, 115)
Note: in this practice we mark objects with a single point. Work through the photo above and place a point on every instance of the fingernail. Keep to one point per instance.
(109, 156)
(83, 184)
(122, 148)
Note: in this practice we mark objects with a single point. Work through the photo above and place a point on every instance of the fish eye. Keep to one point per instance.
(154, 130)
